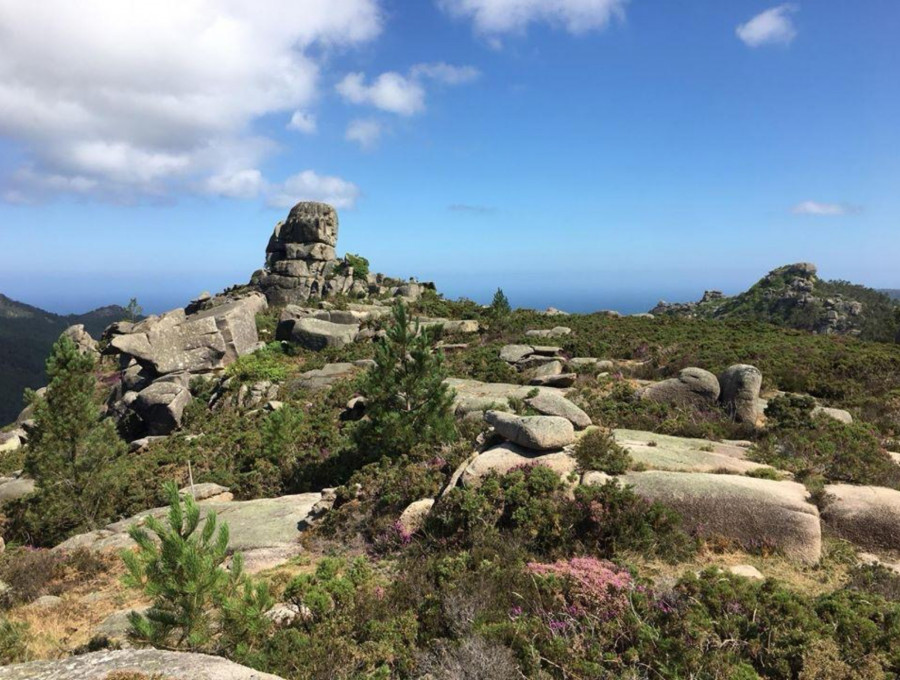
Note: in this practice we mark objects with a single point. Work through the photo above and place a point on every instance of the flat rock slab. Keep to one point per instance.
(265, 530)
(550, 404)
(325, 377)
(147, 662)
(682, 454)
(751, 512)
(868, 516)
(501, 459)
(473, 395)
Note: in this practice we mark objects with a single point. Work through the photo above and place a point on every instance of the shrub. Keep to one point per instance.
(407, 402)
(598, 450)
(269, 363)
(359, 264)
(791, 411)
(183, 575)
(14, 637)
(32, 572)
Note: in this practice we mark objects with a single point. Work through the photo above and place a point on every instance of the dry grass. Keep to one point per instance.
(58, 630)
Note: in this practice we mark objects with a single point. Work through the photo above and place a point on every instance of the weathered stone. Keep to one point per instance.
(148, 663)
(538, 433)
(452, 325)
(284, 614)
(82, 339)
(692, 387)
(9, 442)
(413, 517)
(682, 454)
(161, 405)
(739, 392)
(501, 459)
(515, 353)
(751, 512)
(316, 334)
(473, 395)
(207, 491)
(550, 404)
(747, 571)
(868, 516)
(548, 370)
(556, 380)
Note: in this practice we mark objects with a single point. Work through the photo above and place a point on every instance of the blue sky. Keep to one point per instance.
(584, 154)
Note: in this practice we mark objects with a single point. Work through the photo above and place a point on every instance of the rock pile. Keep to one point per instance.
(542, 363)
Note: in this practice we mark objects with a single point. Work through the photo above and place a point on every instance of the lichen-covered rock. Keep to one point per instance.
(472, 395)
(684, 454)
(537, 433)
(82, 339)
(837, 414)
(316, 334)
(161, 406)
(751, 512)
(515, 353)
(693, 386)
(148, 663)
(555, 332)
(739, 392)
(413, 517)
(15, 487)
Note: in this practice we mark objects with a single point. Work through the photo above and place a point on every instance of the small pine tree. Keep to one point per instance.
(500, 308)
(133, 312)
(181, 570)
(407, 401)
(70, 450)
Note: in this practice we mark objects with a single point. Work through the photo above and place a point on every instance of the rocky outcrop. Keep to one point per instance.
(537, 433)
(161, 405)
(692, 387)
(316, 334)
(144, 663)
(82, 339)
(682, 454)
(740, 385)
(552, 404)
(754, 513)
(471, 396)
(555, 332)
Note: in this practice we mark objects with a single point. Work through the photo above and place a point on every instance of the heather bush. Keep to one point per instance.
(598, 450)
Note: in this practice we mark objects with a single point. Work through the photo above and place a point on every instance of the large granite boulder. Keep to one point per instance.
(537, 433)
(266, 531)
(505, 457)
(751, 512)
(868, 516)
(692, 387)
(9, 442)
(206, 340)
(12, 488)
(82, 339)
(143, 663)
(473, 395)
(739, 392)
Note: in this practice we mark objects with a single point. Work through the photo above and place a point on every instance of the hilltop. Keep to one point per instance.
(429, 488)
(794, 296)
(26, 335)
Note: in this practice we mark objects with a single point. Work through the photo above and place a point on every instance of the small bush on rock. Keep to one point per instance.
(598, 450)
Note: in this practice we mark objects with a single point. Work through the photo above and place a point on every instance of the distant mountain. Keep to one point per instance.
(893, 293)
(26, 335)
(794, 296)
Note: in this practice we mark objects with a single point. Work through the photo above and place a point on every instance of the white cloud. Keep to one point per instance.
(825, 209)
(774, 26)
(402, 94)
(240, 184)
(364, 132)
(493, 17)
(310, 186)
(303, 122)
(116, 99)
(390, 91)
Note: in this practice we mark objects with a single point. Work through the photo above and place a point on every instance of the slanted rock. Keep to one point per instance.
(868, 516)
(266, 531)
(739, 392)
(515, 353)
(207, 491)
(692, 387)
(316, 334)
(751, 512)
(551, 404)
(538, 433)
(683, 454)
(501, 459)
(145, 662)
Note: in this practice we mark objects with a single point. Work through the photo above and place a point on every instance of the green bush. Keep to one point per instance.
(359, 264)
(790, 411)
(181, 571)
(269, 363)
(598, 450)
(14, 637)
